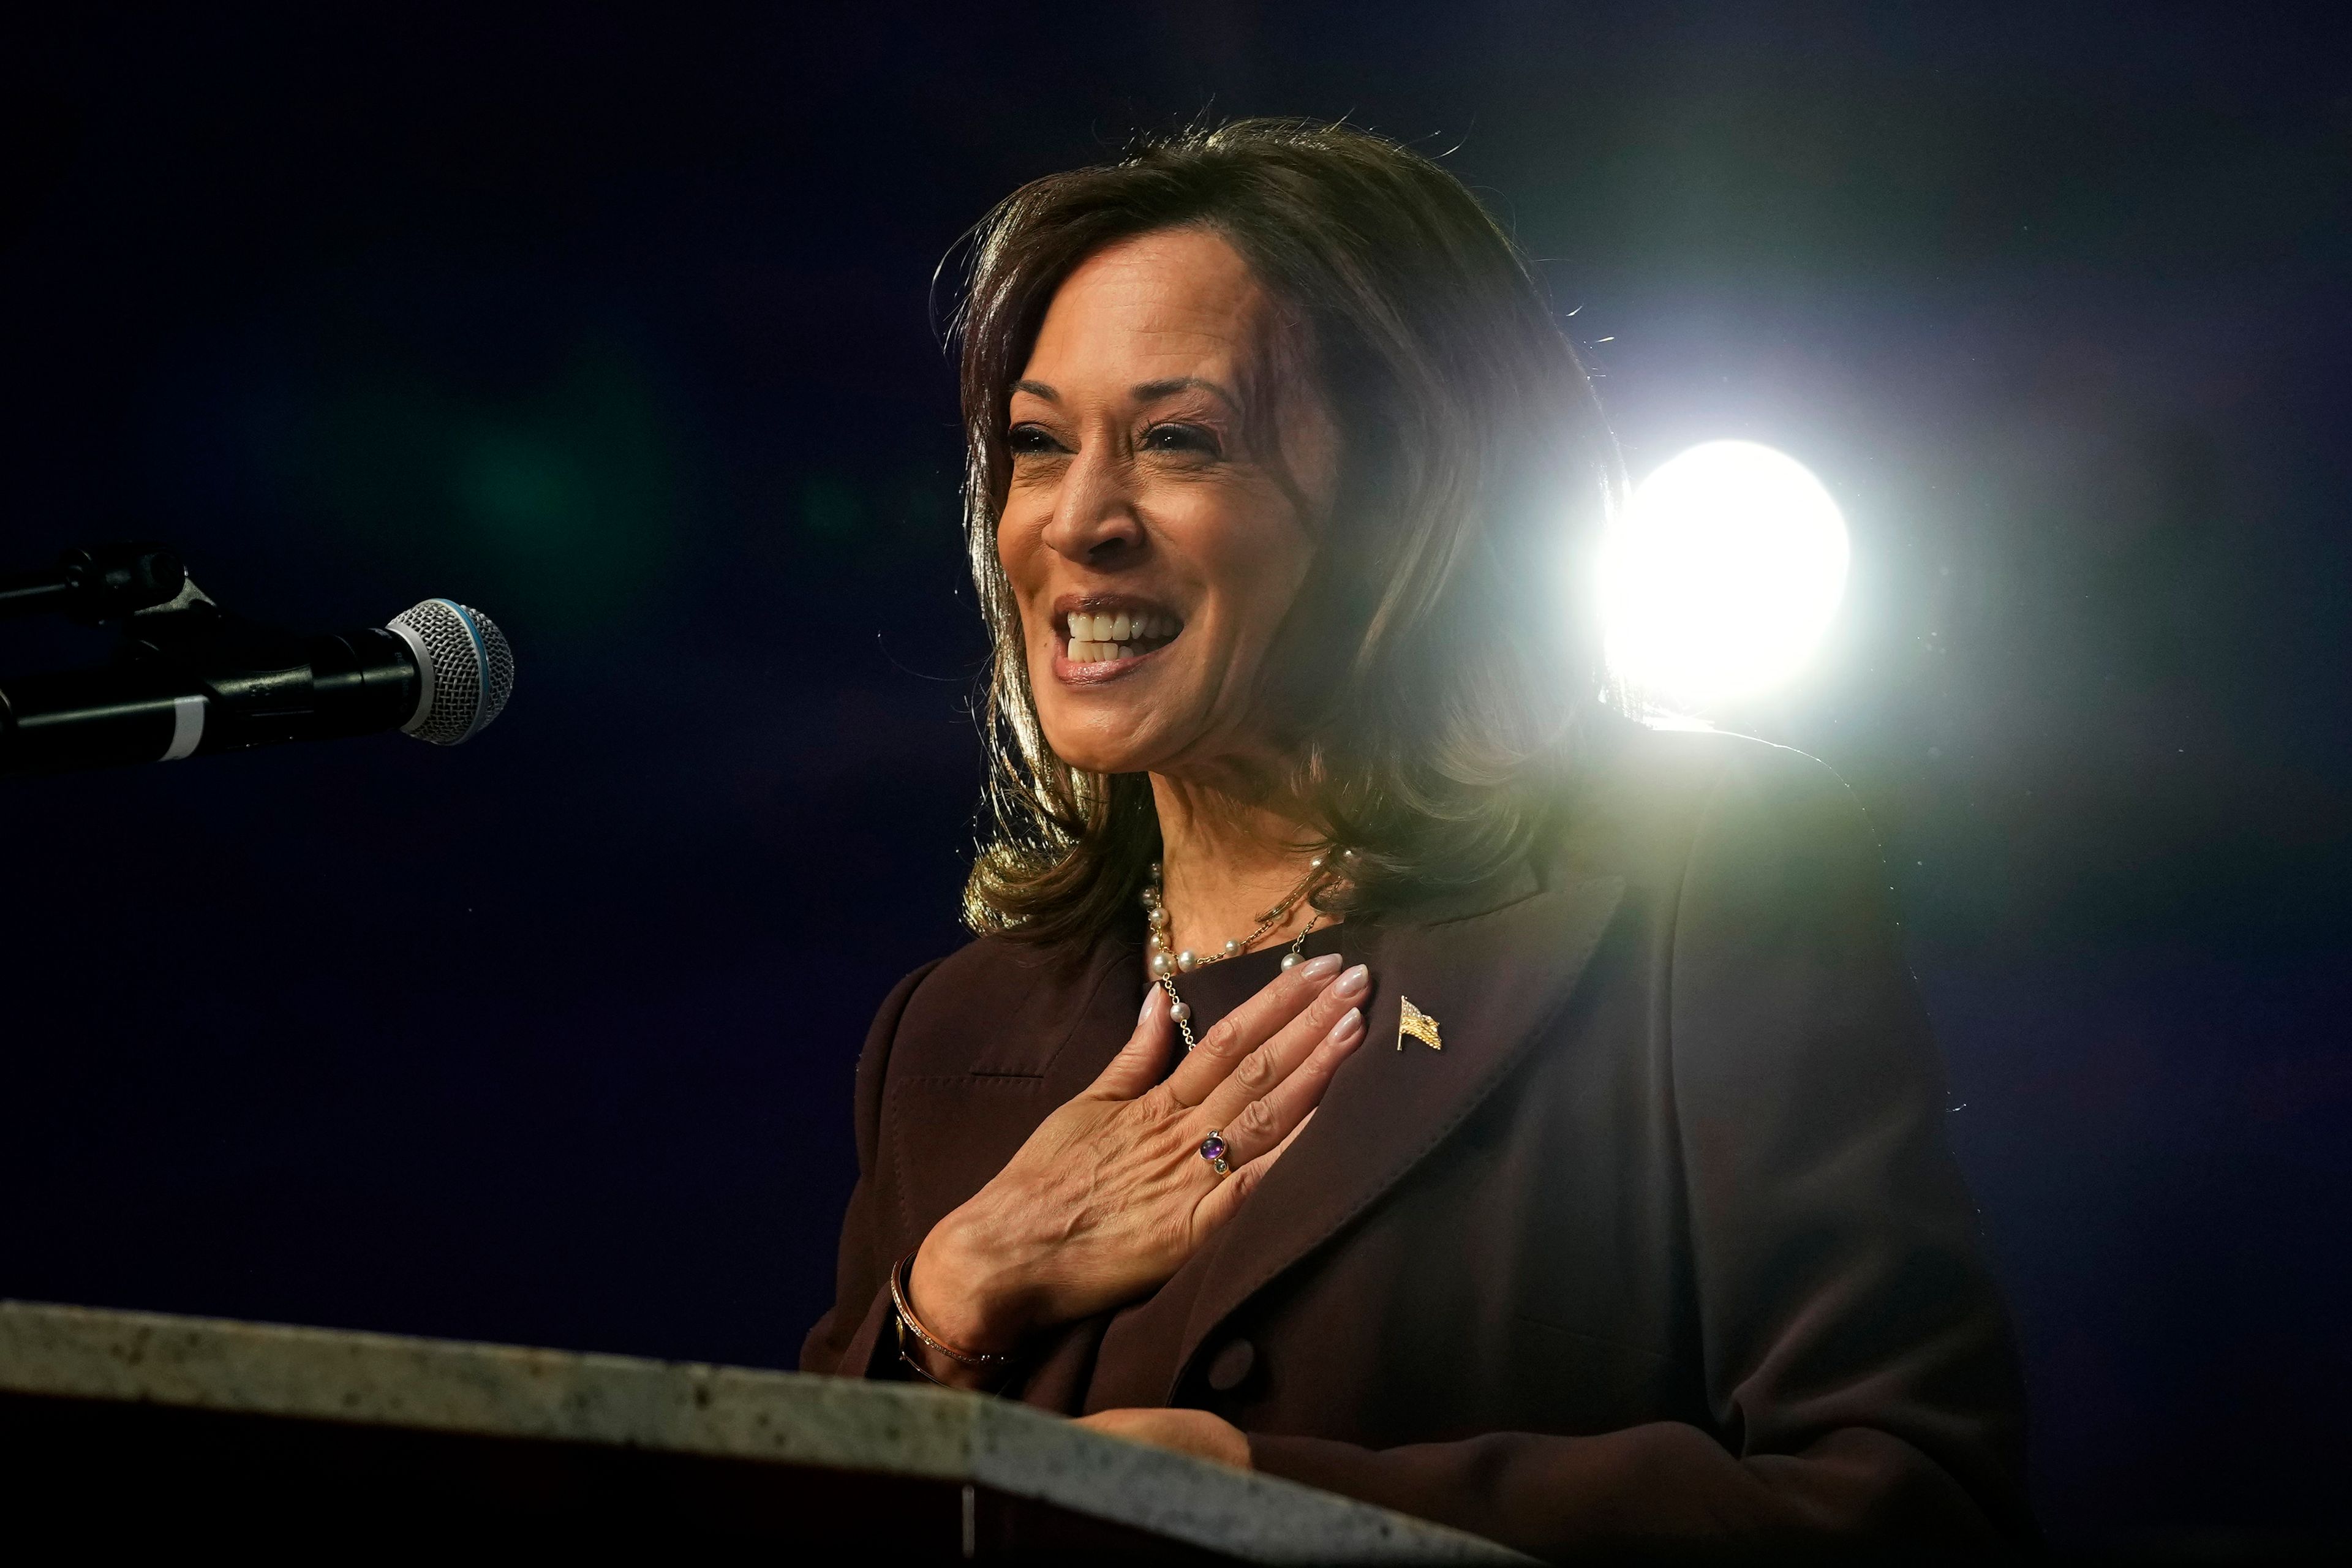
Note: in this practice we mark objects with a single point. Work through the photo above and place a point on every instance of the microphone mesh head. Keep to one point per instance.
(465, 670)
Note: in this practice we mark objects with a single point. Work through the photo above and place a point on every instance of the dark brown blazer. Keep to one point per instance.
(1665, 1246)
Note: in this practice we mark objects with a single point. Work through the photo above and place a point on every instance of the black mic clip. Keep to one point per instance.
(103, 583)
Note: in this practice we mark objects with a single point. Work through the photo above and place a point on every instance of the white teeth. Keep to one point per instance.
(1096, 637)
(1085, 650)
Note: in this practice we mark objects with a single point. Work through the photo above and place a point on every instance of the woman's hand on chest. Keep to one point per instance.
(1112, 1192)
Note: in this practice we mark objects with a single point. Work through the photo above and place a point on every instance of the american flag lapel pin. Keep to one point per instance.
(1412, 1020)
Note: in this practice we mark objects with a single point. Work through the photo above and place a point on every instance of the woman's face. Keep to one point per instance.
(1152, 546)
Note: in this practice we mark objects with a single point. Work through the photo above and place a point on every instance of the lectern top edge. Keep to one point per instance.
(692, 1408)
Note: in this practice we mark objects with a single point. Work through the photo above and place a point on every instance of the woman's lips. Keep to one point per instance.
(1100, 645)
(1094, 672)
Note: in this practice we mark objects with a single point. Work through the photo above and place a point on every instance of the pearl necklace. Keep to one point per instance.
(1165, 965)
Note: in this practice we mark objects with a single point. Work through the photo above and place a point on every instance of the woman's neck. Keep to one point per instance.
(1225, 862)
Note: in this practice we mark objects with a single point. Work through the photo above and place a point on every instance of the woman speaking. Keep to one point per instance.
(1381, 1063)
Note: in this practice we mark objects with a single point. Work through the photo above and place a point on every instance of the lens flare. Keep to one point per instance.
(1721, 576)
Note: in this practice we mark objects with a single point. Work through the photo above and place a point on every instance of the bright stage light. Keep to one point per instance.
(1721, 576)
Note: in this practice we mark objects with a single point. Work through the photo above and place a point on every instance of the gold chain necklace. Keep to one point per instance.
(1166, 966)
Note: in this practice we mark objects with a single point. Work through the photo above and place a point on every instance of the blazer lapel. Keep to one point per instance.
(1492, 982)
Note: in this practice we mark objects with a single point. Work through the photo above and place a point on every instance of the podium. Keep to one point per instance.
(124, 1425)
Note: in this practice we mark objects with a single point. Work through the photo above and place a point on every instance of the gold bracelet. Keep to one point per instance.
(911, 1324)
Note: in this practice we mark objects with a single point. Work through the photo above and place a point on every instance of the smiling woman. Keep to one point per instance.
(1094, 454)
(1636, 1227)
(1305, 384)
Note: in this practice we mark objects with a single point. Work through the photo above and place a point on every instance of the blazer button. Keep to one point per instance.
(1232, 1366)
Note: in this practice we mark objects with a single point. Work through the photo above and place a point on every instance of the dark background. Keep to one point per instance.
(622, 326)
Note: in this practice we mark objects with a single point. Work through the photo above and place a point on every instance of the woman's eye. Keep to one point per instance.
(1180, 439)
(1025, 440)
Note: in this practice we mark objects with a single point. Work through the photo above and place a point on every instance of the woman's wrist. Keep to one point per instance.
(962, 1294)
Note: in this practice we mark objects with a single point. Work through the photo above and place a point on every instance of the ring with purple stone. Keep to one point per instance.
(1213, 1150)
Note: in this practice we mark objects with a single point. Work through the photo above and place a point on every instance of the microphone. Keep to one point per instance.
(192, 680)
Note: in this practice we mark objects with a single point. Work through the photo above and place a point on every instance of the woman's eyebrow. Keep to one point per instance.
(1146, 392)
(1153, 391)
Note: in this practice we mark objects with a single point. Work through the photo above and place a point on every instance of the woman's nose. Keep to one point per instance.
(1093, 518)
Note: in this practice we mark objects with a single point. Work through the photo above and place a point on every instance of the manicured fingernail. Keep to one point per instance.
(1321, 968)
(1145, 1011)
(1353, 982)
(1350, 1021)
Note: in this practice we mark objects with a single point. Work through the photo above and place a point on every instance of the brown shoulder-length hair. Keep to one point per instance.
(1440, 657)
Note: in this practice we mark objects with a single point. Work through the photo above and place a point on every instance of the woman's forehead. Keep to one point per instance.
(1158, 308)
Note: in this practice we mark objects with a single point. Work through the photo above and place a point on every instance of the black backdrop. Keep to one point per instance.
(621, 325)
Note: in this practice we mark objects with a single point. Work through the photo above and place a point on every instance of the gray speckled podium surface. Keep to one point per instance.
(200, 1425)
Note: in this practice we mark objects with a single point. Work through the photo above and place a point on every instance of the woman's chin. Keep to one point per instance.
(1120, 757)
(1102, 737)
